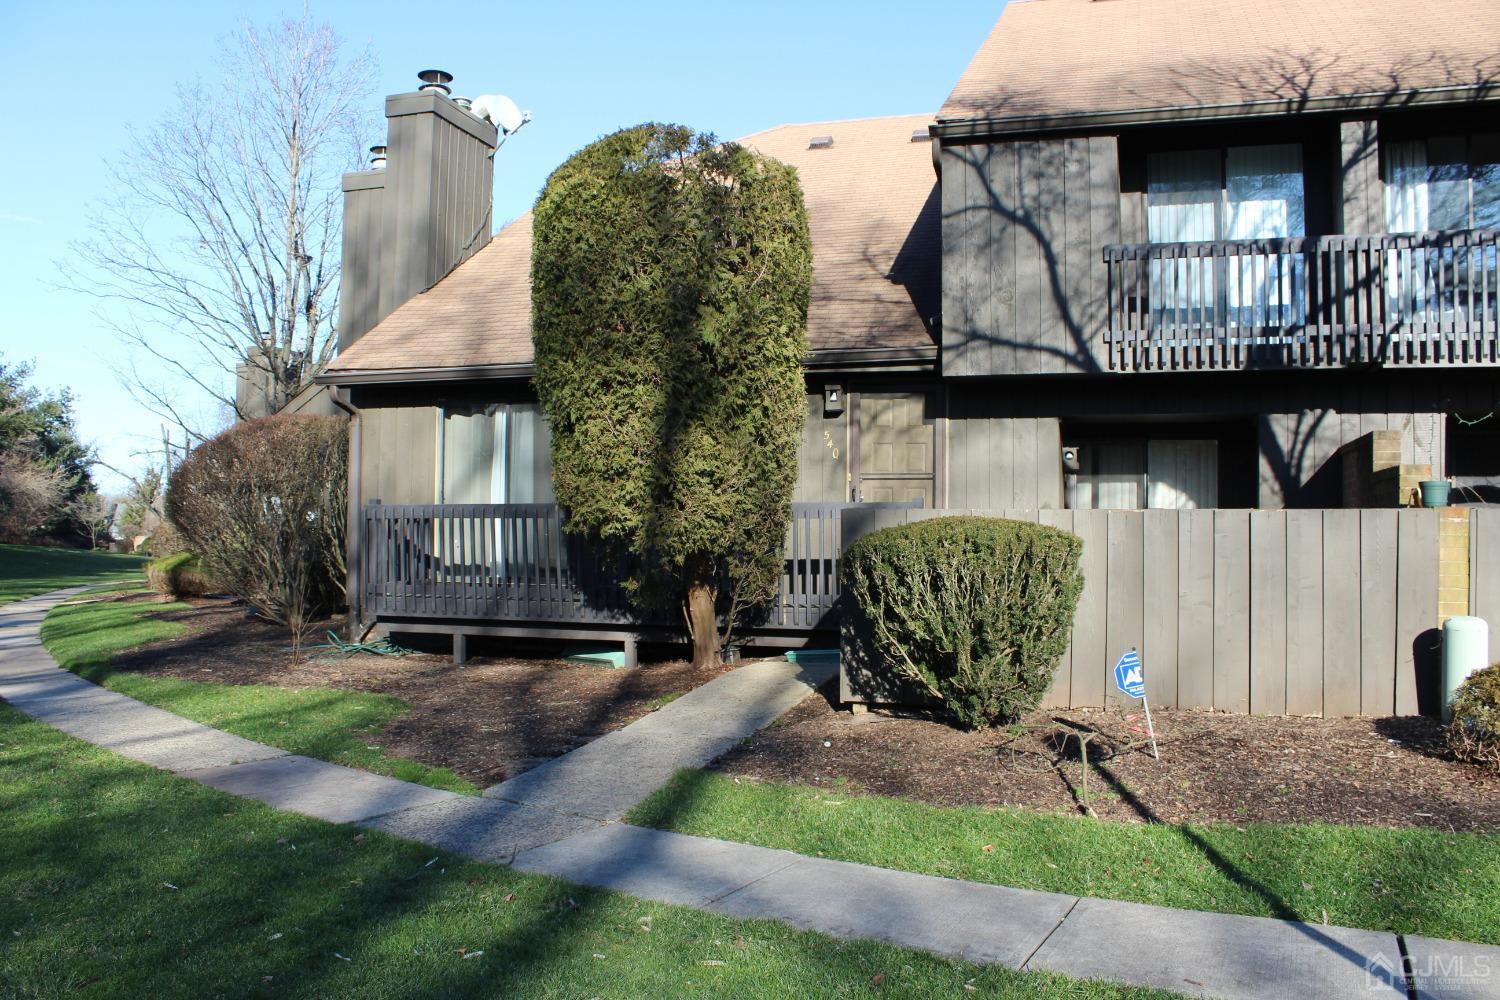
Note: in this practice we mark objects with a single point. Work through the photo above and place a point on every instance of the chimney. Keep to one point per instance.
(422, 209)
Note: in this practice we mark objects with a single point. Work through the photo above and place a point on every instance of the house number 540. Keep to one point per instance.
(828, 443)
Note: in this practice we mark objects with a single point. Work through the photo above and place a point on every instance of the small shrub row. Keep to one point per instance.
(974, 611)
(179, 575)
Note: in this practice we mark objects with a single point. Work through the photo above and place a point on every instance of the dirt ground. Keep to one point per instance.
(1213, 767)
(487, 720)
(495, 717)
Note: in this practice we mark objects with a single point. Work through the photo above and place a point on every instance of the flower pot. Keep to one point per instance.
(1435, 492)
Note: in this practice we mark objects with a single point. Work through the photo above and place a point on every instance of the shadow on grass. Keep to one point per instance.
(134, 882)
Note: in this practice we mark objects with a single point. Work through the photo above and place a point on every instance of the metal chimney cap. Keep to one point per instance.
(377, 157)
(463, 102)
(435, 79)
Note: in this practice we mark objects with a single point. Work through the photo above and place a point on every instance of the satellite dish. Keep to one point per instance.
(500, 111)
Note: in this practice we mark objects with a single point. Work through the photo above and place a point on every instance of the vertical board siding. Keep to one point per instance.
(1268, 612)
(1024, 224)
(1304, 612)
(1195, 609)
(1231, 671)
(1125, 614)
(1416, 603)
(1341, 608)
(1089, 650)
(1377, 611)
(1484, 572)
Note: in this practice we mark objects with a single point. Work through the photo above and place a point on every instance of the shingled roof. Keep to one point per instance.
(873, 214)
(1053, 58)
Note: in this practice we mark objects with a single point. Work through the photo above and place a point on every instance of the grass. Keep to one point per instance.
(325, 723)
(1413, 881)
(28, 570)
(121, 880)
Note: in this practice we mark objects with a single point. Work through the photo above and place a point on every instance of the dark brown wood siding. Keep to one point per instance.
(1024, 224)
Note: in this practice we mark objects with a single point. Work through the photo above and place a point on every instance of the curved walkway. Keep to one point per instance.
(561, 819)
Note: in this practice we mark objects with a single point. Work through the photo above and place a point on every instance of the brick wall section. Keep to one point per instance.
(1453, 562)
(1374, 476)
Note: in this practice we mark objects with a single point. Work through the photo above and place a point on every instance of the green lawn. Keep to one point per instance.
(334, 725)
(121, 880)
(28, 570)
(1407, 881)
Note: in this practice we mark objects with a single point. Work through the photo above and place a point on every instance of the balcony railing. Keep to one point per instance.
(1305, 302)
(513, 563)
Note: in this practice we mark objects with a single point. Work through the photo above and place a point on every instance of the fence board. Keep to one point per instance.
(1416, 604)
(1124, 611)
(1268, 617)
(1377, 612)
(1231, 610)
(1304, 612)
(1195, 615)
(1159, 634)
(1484, 570)
(1060, 692)
(1089, 669)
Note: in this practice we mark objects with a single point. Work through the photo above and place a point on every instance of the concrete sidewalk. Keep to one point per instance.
(559, 820)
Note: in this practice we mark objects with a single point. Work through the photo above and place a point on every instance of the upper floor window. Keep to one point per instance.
(1443, 183)
(1239, 193)
(1236, 193)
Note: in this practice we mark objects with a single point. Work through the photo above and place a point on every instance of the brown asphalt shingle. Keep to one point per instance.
(1061, 57)
(873, 215)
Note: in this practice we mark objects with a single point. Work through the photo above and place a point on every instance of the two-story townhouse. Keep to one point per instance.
(1157, 271)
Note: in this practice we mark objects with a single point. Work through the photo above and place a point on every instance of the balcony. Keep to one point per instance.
(1412, 300)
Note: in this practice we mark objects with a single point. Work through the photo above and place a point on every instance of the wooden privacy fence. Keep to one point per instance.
(1407, 299)
(1302, 612)
(514, 563)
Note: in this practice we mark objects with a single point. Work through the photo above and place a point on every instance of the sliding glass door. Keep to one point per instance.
(1236, 194)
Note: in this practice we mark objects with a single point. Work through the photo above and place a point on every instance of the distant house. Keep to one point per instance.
(1155, 265)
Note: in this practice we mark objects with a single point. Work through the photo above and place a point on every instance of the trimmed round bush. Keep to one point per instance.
(1474, 733)
(178, 575)
(973, 611)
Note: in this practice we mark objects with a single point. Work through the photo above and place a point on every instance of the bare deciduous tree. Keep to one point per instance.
(222, 245)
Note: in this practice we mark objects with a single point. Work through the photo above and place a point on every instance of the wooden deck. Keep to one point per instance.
(514, 564)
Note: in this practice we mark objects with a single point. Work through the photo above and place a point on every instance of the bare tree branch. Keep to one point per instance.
(221, 247)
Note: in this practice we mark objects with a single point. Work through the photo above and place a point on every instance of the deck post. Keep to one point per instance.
(460, 649)
(632, 660)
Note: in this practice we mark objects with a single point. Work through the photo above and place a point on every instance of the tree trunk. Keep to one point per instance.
(702, 623)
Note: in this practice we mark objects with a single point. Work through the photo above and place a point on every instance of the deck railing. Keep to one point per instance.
(514, 563)
(1306, 302)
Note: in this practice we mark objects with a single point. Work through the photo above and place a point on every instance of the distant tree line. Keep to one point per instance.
(46, 491)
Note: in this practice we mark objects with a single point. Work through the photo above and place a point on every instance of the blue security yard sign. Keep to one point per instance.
(1130, 678)
(1128, 675)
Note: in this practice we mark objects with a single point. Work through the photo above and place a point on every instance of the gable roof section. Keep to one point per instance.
(1048, 59)
(873, 216)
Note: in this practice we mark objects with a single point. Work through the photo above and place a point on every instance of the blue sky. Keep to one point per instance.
(78, 75)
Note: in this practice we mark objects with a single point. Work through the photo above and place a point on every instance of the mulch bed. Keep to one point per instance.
(1213, 767)
(495, 717)
(487, 720)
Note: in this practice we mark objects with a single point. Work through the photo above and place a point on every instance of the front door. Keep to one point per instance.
(897, 436)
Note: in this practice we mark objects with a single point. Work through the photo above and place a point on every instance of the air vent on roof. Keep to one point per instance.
(436, 79)
(821, 142)
(920, 135)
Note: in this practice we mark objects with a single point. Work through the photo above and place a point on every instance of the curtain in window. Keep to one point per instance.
(1183, 190)
(1264, 199)
(468, 456)
(1406, 187)
(1182, 475)
(529, 463)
